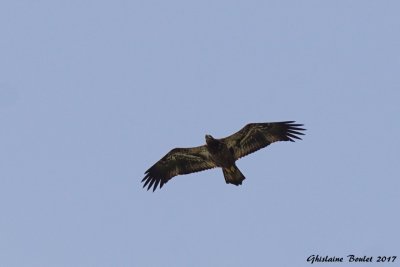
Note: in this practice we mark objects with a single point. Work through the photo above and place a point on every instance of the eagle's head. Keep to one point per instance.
(209, 139)
(212, 143)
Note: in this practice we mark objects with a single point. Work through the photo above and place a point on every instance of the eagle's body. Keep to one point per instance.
(224, 158)
(221, 153)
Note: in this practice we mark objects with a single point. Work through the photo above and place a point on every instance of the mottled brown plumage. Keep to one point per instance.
(221, 153)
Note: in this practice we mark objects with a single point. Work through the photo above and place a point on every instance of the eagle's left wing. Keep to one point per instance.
(178, 161)
(255, 136)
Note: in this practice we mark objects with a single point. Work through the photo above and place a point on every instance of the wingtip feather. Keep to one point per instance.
(156, 184)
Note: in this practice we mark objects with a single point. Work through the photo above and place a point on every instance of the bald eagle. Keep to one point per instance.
(221, 153)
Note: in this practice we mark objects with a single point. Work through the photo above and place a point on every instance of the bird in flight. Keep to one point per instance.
(221, 153)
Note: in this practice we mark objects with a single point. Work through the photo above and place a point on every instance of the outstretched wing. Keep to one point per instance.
(255, 136)
(177, 161)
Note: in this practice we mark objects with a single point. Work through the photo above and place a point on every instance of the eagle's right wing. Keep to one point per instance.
(177, 161)
(255, 136)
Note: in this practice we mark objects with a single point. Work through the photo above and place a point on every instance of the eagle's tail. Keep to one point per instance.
(233, 175)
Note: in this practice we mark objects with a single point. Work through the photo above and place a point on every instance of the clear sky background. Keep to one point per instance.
(92, 93)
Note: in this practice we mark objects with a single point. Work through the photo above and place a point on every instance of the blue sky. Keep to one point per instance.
(92, 93)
